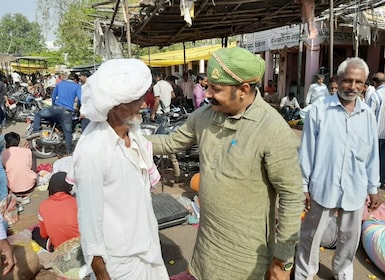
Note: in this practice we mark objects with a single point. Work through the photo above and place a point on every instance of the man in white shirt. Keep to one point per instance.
(290, 107)
(114, 173)
(16, 78)
(163, 91)
(317, 90)
(379, 84)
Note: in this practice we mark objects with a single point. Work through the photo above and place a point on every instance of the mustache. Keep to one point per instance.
(351, 92)
(214, 102)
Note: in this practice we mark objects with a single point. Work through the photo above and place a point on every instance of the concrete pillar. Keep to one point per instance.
(312, 62)
(281, 83)
(269, 70)
(374, 55)
(172, 69)
(202, 66)
(180, 69)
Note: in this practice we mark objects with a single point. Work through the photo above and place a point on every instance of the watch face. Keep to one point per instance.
(288, 266)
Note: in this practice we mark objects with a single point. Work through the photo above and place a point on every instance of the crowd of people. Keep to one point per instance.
(256, 179)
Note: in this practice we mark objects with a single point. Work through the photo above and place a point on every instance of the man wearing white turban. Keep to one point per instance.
(114, 172)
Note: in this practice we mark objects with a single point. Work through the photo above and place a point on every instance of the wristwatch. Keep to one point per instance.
(284, 265)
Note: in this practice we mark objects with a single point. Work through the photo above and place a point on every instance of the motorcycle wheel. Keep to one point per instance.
(9, 114)
(19, 114)
(39, 150)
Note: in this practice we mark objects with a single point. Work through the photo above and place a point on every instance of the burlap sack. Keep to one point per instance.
(27, 264)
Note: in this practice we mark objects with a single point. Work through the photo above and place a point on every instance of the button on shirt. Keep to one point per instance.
(339, 154)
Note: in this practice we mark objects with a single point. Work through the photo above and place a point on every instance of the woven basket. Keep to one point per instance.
(68, 257)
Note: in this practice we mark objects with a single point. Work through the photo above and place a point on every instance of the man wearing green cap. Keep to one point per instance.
(248, 160)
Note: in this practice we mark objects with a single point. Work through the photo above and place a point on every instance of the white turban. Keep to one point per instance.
(116, 81)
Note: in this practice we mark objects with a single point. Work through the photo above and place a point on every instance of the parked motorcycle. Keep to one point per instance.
(51, 135)
(22, 105)
(185, 163)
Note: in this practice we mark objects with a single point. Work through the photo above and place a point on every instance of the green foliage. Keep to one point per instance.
(19, 36)
(75, 35)
(53, 57)
(75, 28)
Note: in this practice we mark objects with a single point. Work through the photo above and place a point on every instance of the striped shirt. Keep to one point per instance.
(381, 118)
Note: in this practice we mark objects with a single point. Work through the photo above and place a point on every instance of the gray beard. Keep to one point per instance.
(347, 98)
(134, 121)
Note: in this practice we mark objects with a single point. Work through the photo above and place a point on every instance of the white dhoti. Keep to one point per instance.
(134, 268)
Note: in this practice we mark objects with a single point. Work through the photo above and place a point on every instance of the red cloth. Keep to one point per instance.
(150, 100)
(183, 276)
(44, 166)
(58, 218)
(270, 89)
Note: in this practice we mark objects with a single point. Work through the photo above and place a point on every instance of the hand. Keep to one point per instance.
(276, 273)
(99, 268)
(375, 201)
(6, 251)
(307, 201)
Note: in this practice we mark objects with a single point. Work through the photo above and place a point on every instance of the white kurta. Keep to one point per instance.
(116, 218)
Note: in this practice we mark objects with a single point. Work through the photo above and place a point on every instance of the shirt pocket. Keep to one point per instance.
(362, 150)
(239, 163)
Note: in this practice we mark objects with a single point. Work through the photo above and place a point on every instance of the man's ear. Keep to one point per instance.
(244, 88)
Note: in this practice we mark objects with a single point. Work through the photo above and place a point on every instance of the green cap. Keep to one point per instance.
(234, 66)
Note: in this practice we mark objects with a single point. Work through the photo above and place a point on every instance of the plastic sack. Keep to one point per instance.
(373, 236)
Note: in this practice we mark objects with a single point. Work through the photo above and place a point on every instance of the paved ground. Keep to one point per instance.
(178, 241)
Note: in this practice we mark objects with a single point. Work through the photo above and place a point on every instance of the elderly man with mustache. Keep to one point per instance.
(340, 166)
(248, 160)
(114, 172)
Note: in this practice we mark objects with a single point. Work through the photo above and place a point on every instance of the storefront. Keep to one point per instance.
(292, 60)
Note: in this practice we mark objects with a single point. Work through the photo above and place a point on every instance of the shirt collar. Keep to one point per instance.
(113, 139)
(253, 113)
(335, 101)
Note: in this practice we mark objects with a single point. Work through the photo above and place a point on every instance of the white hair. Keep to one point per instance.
(353, 61)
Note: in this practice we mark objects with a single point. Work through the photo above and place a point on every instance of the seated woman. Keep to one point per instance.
(57, 215)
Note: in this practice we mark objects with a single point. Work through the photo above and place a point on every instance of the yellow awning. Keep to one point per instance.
(176, 57)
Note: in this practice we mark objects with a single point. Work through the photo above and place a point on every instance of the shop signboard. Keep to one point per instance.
(289, 36)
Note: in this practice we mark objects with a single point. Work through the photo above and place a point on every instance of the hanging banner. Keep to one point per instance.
(289, 36)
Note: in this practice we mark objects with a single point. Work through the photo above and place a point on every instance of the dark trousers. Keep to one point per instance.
(43, 242)
(57, 114)
(381, 145)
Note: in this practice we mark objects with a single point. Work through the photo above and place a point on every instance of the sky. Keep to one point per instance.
(25, 7)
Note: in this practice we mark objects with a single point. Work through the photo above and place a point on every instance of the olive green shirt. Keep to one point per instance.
(245, 161)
